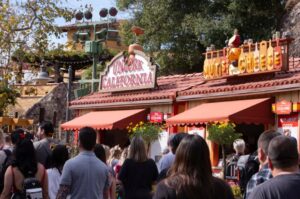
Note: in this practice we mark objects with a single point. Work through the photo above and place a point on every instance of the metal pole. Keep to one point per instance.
(70, 72)
(94, 69)
(69, 92)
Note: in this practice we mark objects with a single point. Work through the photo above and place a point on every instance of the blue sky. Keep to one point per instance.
(96, 4)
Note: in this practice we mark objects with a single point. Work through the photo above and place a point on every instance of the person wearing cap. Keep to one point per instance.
(283, 162)
(264, 174)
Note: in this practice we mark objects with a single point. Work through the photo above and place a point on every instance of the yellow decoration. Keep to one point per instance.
(242, 62)
(263, 55)
(250, 60)
(256, 59)
(217, 67)
(270, 58)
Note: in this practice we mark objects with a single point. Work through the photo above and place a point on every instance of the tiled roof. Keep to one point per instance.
(182, 86)
(167, 88)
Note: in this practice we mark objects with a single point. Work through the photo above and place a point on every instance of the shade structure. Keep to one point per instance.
(108, 120)
(257, 111)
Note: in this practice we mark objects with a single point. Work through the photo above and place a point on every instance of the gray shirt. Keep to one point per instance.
(166, 161)
(86, 175)
(43, 151)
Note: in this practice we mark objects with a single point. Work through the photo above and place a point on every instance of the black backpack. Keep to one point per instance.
(5, 165)
(247, 166)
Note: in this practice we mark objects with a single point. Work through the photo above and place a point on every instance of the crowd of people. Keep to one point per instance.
(31, 168)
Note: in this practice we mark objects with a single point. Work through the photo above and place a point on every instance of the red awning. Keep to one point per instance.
(106, 119)
(257, 111)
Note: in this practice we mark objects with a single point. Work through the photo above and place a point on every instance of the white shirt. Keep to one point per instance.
(53, 182)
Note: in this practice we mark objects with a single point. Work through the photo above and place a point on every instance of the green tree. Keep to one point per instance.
(29, 24)
(223, 134)
(177, 32)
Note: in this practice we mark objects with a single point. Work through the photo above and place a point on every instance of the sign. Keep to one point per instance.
(156, 117)
(288, 125)
(128, 73)
(283, 107)
(247, 59)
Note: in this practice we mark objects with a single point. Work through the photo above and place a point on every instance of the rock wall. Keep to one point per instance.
(51, 107)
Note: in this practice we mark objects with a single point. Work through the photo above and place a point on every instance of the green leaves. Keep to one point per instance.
(177, 32)
(222, 133)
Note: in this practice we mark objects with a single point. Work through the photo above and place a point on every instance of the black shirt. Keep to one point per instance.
(286, 186)
(138, 177)
(221, 190)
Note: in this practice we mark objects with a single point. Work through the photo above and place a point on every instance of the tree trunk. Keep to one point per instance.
(224, 161)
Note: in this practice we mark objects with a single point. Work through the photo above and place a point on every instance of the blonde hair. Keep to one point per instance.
(239, 146)
(137, 150)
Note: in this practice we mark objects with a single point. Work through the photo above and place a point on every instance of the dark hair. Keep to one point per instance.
(60, 155)
(25, 158)
(47, 127)
(100, 152)
(87, 138)
(17, 135)
(283, 152)
(175, 141)
(7, 138)
(191, 174)
(265, 139)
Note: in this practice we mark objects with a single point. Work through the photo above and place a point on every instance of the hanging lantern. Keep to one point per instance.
(79, 15)
(88, 15)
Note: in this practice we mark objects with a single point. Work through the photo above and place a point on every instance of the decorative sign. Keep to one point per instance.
(288, 125)
(283, 107)
(249, 58)
(128, 73)
(156, 117)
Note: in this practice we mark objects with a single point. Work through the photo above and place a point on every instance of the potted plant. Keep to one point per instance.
(150, 132)
(223, 133)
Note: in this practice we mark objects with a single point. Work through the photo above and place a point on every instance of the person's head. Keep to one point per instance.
(87, 138)
(60, 155)
(25, 158)
(239, 146)
(7, 139)
(191, 173)
(137, 150)
(45, 129)
(2, 140)
(100, 153)
(283, 154)
(263, 144)
(17, 135)
(115, 152)
(175, 141)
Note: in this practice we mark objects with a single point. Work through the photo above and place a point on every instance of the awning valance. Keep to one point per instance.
(257, 111)
(106, 119)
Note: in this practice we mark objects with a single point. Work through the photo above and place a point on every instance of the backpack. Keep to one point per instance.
(247, 165)
(4, 166)
(32, 188)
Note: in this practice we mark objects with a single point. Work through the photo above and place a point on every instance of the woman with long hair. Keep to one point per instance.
(191, 175)
(24, 166)
(59, 157)
(138, 173)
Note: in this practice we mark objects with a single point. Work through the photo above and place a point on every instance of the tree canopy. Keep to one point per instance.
(28, 25)
(177, 32)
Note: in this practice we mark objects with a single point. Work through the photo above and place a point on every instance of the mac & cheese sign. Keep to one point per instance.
(128, 73)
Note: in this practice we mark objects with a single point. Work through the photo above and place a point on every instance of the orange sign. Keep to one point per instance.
(283, 107)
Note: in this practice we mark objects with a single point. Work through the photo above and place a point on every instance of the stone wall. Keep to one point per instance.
(52, 107)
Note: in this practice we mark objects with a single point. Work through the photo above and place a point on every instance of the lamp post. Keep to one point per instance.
(93, 45)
